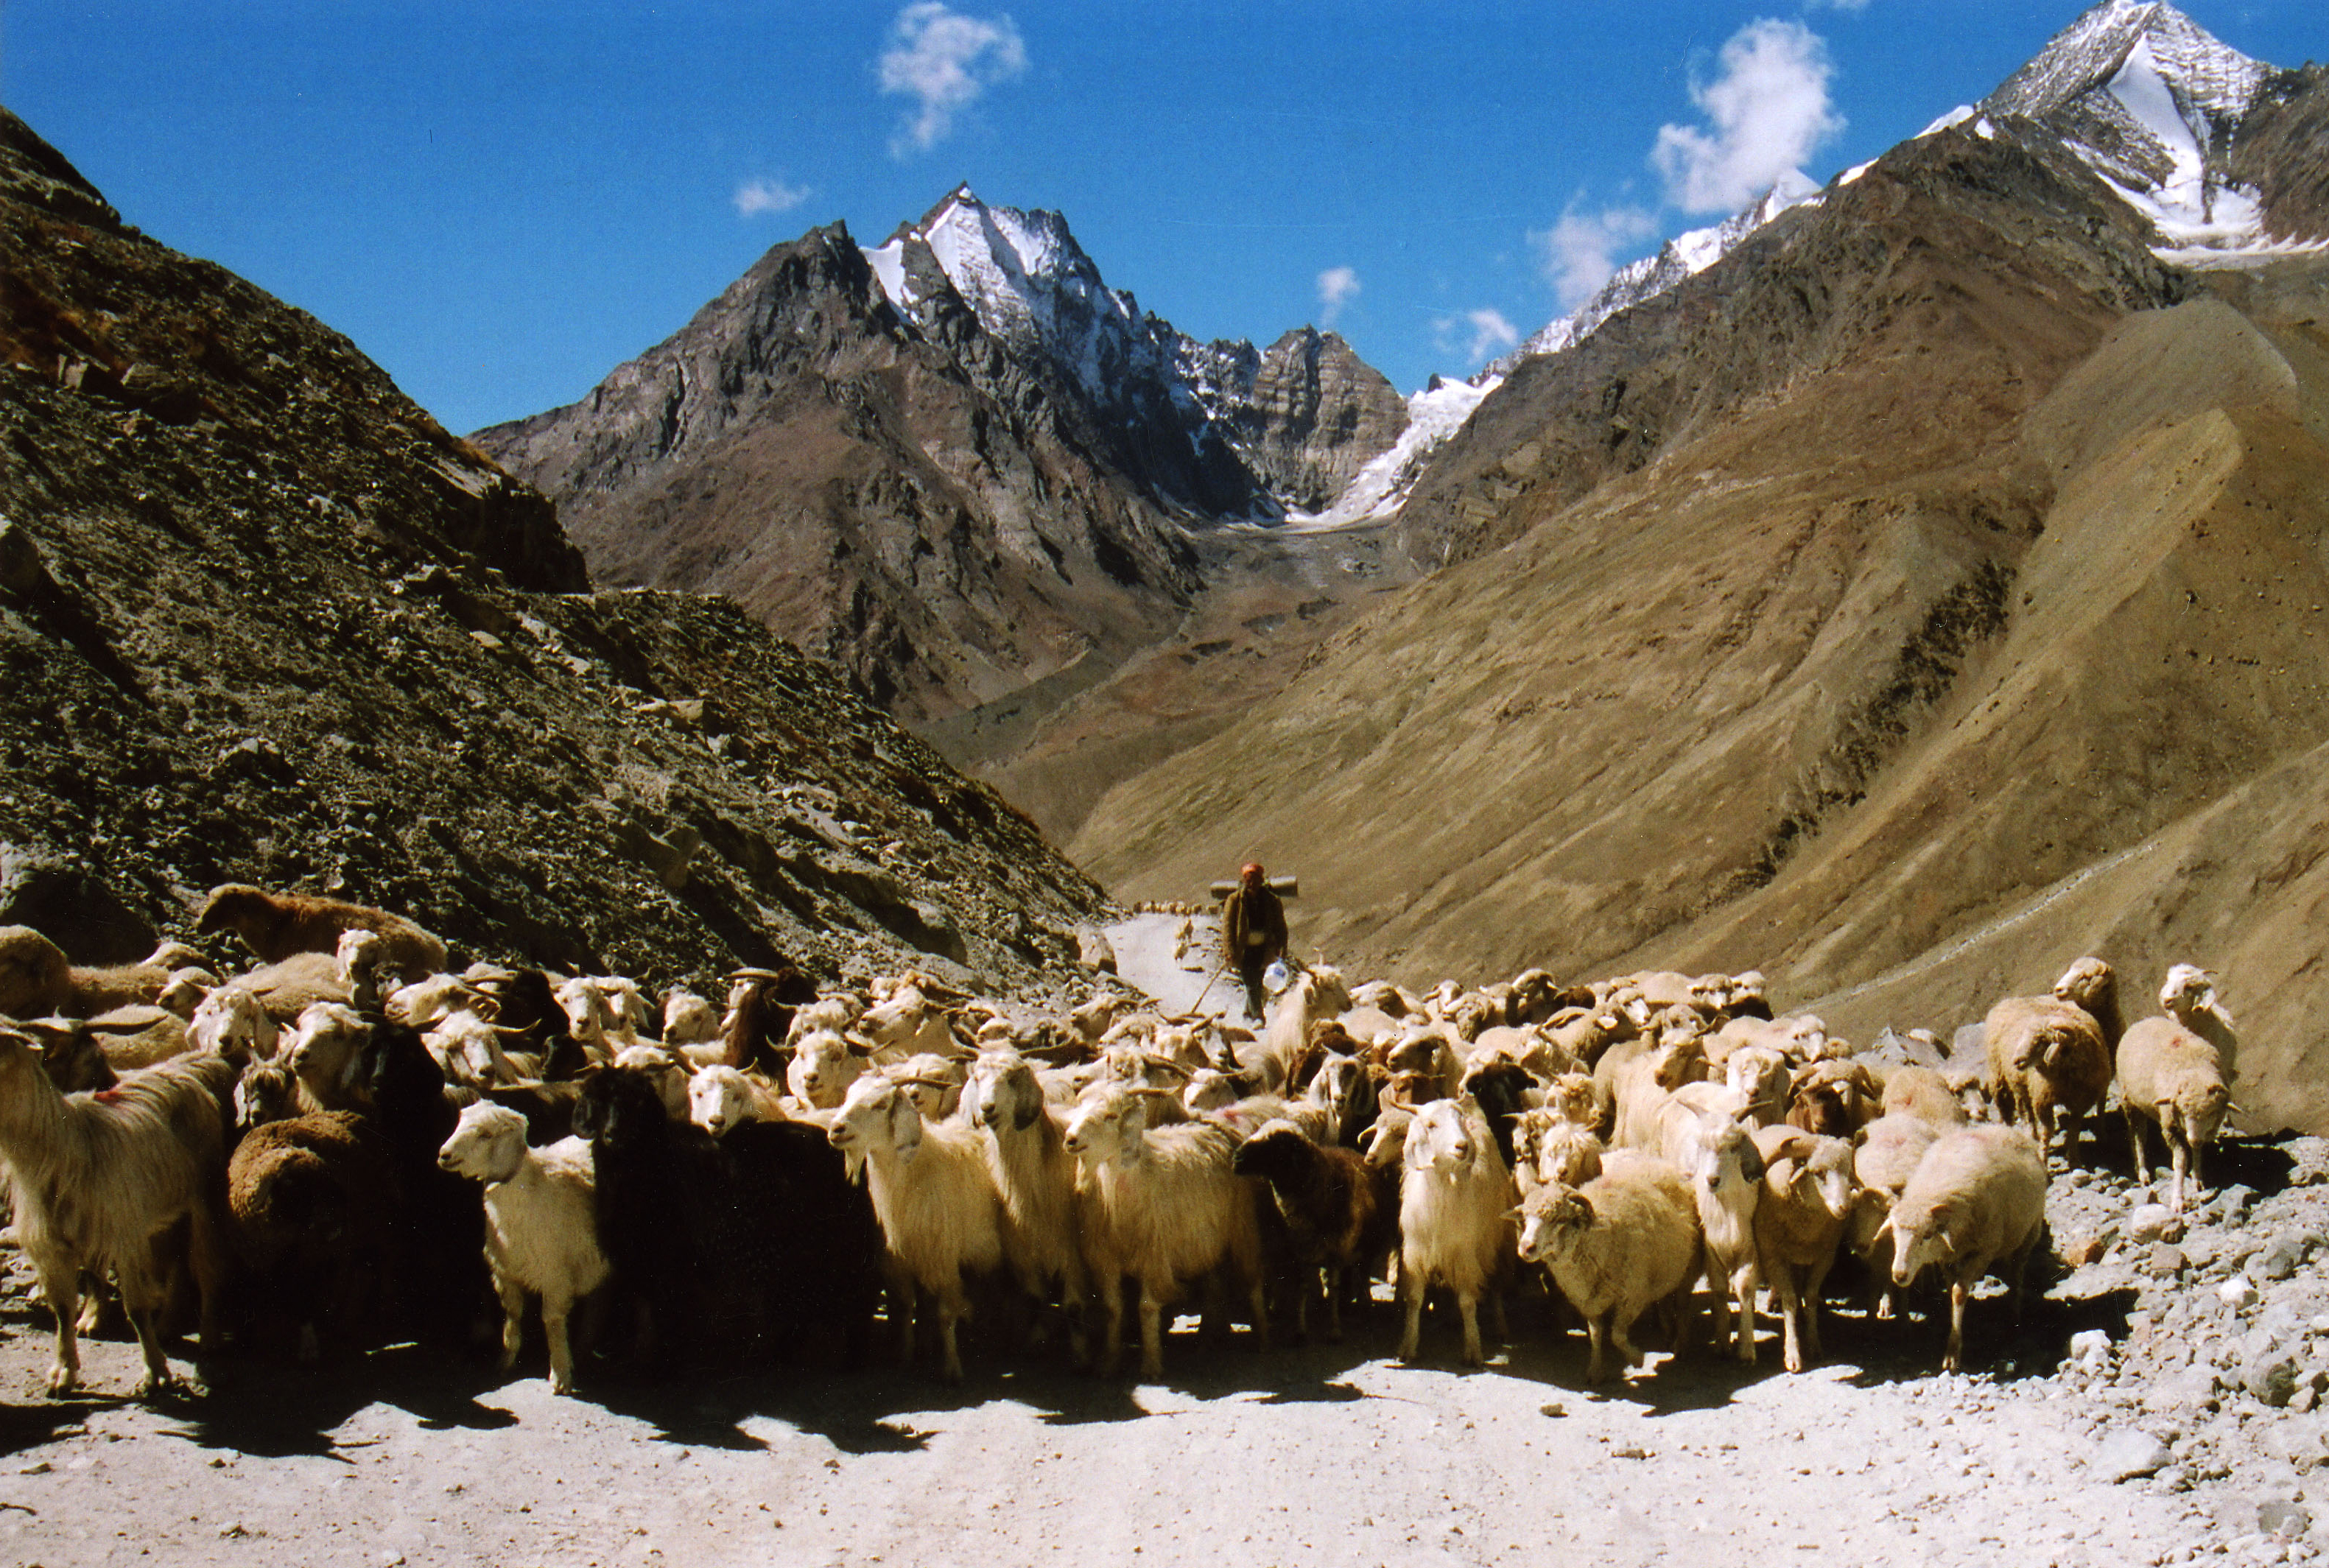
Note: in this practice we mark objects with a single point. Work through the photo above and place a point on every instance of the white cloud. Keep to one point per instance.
(1769, 109)
(1580, 251)
(754, 197)
(946, 61)
(1338, 287)
(1488, 329)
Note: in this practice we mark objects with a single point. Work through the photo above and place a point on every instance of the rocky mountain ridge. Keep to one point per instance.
(958, 463)
(261, 619)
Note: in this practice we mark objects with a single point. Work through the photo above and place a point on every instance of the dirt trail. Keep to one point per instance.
(1313, 1455)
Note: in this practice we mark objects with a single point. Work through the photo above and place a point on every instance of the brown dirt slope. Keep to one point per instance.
(262, 621)
(1969, 587)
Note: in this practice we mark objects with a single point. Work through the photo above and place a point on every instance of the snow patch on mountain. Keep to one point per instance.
(888, 264)
(1381, 487)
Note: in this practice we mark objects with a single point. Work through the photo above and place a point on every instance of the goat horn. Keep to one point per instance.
(755, 975)
(927, 1082)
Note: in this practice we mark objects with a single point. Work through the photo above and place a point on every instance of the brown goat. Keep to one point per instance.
(276, 925)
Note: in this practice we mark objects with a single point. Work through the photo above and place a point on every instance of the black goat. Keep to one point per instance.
(1341, 1215)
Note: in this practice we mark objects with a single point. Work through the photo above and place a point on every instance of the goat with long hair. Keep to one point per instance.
(101, 1178)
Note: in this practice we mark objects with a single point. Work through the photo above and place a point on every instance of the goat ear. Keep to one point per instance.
(1751, 1163)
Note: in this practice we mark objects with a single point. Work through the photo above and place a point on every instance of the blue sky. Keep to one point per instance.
(501, 201)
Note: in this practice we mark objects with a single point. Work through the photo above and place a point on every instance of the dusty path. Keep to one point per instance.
(1315, 1455)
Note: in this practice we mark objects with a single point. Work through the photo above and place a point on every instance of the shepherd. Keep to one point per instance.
(1253, 931)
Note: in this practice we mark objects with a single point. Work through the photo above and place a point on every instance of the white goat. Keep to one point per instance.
(604, 1013)
(231, 1021)
(322, 1054)
(360, 955)
(540, 1239)
(941, 1216)
(1626, 1241)
(1162, 1205)
(720, 1097)
(1027, 1150)
(824, 1065)
(932, 1082)
(1726, 1179)
(2172, 1075)
(688, 1019)
(1455, 1221)
(906, 1024)
(98, 1180)
(1976, 1202)
(1799, 1221)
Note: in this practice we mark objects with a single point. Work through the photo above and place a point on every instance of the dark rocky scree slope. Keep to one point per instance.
(2279, 152)
(262, 620)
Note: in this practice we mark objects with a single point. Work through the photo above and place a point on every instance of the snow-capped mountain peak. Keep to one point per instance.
(2212, 82)
(1029, 283)
(1684, 256)
(2149, 100)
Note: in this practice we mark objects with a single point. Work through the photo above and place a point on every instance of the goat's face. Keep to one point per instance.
(688, 1019)
(1570, 1156)
(1677, 1060)
(230, 1020)
(1103, 1125)
(185, 991)
(1001, 1091)
(717, 1100)
(324, 1044)
(1826, 1179)
(264, 1092)
(932, 1082)
(489, 1144)
(875, 1114)
(823, 1067)
(1387, 1144)
(2086, 982)
(1915, 1246)
(358, 951)
(1726, 1159)
(587, 1016)
(1440, 1139)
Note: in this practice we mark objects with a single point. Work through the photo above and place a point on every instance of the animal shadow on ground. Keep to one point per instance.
(277, 1410)
(45, 1421)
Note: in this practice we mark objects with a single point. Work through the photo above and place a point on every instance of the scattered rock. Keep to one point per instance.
(2283, 1518)
(2154, 1222)
(2270, 1378)
(2130, 1452)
